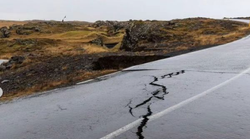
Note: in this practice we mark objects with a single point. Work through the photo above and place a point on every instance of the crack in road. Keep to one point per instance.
(143, 123)
(60, 108)
(155, 94)
(170, 75)
(143, 103)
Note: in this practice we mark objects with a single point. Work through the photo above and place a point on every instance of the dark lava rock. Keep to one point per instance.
(98, 41)
(14, 60)
(112, 26)
(2, 67)
(22, 30)
(17, 59)
(145, 32)
(25, 41)
(14, 27)
(4, 32)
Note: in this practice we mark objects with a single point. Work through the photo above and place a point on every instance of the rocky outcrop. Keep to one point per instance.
(25, 41)
(98, 41)
(145, 32)
(112, 26)
(13, 61)
(4, 32)
(27, 30)
(115, 24)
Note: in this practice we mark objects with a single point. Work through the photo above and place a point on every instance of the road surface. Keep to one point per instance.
(200, 95)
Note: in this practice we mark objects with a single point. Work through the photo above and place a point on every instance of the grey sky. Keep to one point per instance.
(92, 10)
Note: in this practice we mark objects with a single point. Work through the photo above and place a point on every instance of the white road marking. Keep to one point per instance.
(1, 92)
(173, 108)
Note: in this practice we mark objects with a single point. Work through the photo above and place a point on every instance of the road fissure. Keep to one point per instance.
(154, 94)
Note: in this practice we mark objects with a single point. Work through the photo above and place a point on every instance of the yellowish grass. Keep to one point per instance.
(72, 34)
(207, 39)
(179, 48)
(215, 39)
(10, 23)
(75, 49)
(95, 49)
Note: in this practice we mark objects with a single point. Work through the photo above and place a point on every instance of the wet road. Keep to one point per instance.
(200, 95)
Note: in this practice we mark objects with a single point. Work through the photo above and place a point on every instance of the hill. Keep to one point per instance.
(48, 54)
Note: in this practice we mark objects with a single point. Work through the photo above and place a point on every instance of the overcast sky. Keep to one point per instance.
(92, 10)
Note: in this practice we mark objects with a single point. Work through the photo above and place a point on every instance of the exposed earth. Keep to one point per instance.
(47, 54)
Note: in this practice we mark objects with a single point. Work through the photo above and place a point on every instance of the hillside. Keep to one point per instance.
(49, 54)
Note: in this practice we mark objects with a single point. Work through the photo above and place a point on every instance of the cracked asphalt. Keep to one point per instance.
(107, 107)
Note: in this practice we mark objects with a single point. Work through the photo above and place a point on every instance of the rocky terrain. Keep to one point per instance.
(47, 54)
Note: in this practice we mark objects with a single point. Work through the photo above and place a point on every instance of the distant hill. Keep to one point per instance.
(236, 17)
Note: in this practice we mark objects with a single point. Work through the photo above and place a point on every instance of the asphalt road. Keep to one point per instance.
(200, 95)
